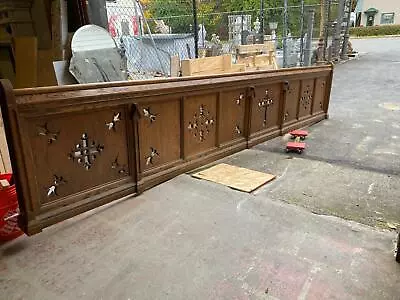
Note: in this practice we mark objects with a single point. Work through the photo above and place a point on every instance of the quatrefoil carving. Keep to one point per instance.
(307, 97)
(201, 124)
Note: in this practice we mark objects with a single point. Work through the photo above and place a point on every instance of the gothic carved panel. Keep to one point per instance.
(232, 105)
(81, 154)
(199, 123)
(291, 101)
(319, 95)
(159, 133)
(265, 107)
(306, 98)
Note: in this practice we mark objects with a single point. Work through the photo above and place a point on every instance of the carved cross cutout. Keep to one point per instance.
(149, 159)
(52, 190)
(44, 131)
(201, 124)
(86, 152)
(113, 123)
(264, 104)
(149, 115)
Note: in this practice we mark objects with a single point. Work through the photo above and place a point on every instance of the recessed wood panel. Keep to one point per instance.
(291, 102)
(319, 95)
(306, 98)
(232, 105)
(265, 108)
(199, 124)
(76, 152)
(159, 133)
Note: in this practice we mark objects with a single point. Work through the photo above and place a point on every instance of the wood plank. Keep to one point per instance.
(25, 62)
(241, 179)
(175, 66)
(252, 49)
(210, 65)
(41, 19)
(46, 75)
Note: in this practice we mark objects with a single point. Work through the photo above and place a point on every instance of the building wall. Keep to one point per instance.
(383, 6)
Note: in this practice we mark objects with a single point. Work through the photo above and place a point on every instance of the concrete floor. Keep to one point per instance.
(192, 239)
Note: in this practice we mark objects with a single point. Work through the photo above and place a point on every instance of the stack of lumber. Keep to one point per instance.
(210, 65)
(257, 56)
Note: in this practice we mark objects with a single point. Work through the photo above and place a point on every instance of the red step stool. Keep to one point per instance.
(295, 147)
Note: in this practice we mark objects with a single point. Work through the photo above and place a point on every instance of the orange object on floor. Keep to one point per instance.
(9, 211)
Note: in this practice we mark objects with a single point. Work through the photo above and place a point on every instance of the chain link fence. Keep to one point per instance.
(155, 44)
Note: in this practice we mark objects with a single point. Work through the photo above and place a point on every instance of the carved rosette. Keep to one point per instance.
(112, 125)
(85, 153)
(147, 113)
(150, 158)
(45, 132)
(240, 99)
(201, 124)
(52, 190)
(306, 99)
(121, 169)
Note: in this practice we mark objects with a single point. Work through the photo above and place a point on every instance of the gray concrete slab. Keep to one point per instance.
(193, 239)
(351, 165)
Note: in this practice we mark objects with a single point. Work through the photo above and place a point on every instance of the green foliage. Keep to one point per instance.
(214, 13)
(176, 13)
(375, 30)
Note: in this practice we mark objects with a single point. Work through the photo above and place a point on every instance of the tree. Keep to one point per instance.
(177, 14)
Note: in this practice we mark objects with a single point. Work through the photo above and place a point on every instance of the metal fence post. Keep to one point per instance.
(195, 30)
(98, 13)
(338, 29)
(284, 35)
(310, 28)
(262, 19)
(327, 25)
(347, 32)
(302, 34)
(242, 42)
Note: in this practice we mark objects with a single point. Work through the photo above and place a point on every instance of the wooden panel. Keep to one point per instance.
(78, 149)
(134, 135)
(199, 124)
(291, 102)
(159, 133)
(306, 98)
(319, 95)
(265, 108)
(232, 105)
